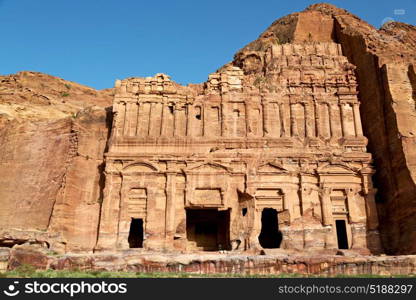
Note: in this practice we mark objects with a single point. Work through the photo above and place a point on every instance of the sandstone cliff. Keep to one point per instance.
(52, 135)
(52, 138)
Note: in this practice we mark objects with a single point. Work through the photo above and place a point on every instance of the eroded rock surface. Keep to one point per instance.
(53, 135)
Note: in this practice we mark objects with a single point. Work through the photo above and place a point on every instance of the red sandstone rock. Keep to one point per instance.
(53, 188)
(52, 138)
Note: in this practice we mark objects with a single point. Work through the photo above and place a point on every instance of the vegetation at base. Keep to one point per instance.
(28, 271)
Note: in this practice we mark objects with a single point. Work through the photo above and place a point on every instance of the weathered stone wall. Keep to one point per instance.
(77, 209)
(306, 265)
(33, 158)
(52, 142)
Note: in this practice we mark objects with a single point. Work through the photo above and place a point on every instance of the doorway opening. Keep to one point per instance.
(135, 238)
(341, 234)
(208, 229)
(270, 236)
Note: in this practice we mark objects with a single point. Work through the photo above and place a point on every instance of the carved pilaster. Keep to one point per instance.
(170, 207)
(332, 121)
(266, 119)
(109, 214)
(293, 124)
(291, 202)
(318, 120)
(189, 112)
(124, 222)
(353, 207)
(121, 111)
(277, 129)
(309, 121)
(326, 120)
(357, 120)
(371, 210)
(227, 129)
(326, 206)
(283, 128)
(343, 120)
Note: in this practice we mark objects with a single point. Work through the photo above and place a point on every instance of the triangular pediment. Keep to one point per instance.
(271, 168)
(210, 168)
(336, 169)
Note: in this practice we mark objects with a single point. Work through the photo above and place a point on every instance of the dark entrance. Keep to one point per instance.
(208, 228)
(136, 233)
(270, 236)
(341, 234)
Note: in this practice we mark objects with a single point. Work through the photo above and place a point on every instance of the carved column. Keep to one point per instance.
(170, 207)
(351, 205)
(121, 114)
(326, 206)
(372, 216)
(189, 115)
(133, 116)
(373, 236)
(309, 120)
(284, 129)
(127, 119)
(124, 221)
(318, 120)
(225, 120)
(326, 120)
(293, 125)
(344, 120)
(164, 122)
(333, 122)
(266, 119)
(246, 118)
(107, 235)
(291, 203)
(277, 129)
(353, 209)
(357, 120)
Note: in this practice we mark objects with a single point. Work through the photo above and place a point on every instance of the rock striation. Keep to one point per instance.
(304, 142)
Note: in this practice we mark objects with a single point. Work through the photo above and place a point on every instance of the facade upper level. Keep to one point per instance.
(306, 97)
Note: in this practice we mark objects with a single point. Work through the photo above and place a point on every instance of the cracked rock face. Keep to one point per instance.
(309, 127)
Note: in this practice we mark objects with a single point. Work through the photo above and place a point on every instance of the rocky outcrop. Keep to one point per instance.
(52, 137)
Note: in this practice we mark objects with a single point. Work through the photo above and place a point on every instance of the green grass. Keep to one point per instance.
(27, 271)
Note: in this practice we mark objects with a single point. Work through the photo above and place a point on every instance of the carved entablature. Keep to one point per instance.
(159, 84)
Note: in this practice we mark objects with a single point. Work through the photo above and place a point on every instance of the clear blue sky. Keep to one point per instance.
(94, 42)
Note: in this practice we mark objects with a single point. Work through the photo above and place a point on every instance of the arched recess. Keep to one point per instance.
(140, 166)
